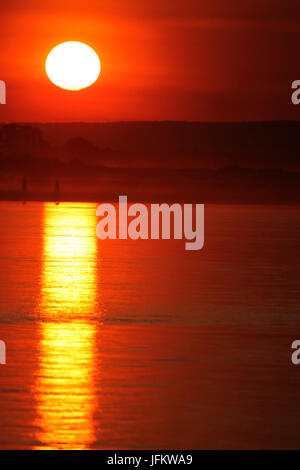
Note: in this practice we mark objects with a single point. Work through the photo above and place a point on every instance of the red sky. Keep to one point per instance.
(179, 60)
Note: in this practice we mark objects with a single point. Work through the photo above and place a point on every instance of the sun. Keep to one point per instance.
(73, 66)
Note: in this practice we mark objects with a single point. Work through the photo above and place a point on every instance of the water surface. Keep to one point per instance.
(141, 344)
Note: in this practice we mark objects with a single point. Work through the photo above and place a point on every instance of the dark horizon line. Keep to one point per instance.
(164, 121)
(97, 198)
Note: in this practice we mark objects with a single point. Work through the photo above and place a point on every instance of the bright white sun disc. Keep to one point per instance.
(73, 65)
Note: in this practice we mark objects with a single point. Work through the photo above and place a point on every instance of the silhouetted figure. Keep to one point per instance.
(57, 192)
(24, 189)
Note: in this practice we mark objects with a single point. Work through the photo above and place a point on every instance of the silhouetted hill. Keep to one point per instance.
(238, 162)
(188, 144)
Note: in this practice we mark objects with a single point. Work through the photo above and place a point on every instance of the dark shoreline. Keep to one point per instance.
(109, 198)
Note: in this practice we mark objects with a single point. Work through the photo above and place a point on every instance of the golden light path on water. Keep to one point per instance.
(64, 388)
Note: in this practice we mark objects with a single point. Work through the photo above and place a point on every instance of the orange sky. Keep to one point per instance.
(179, 60)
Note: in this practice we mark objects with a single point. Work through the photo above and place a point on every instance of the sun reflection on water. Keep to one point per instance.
(64, 387)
